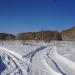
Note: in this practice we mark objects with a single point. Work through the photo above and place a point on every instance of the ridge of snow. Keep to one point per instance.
(13, 53)
(66, 65)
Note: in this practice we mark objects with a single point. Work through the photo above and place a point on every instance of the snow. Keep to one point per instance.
(37, 58)
(66, 65)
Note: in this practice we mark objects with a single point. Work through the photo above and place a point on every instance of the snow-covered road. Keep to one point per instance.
(44, 59)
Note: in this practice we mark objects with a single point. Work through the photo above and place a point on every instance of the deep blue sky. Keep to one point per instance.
(33, 15)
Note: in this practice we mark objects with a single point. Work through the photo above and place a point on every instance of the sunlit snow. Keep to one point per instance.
(37, 58)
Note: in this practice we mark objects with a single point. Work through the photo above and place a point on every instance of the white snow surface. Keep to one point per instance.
(37, 58)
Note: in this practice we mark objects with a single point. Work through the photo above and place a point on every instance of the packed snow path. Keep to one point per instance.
(44, 60)
(39, 65)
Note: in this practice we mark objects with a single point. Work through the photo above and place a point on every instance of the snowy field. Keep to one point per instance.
(37, 58)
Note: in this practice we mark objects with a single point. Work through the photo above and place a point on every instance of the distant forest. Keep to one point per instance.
(47, 36)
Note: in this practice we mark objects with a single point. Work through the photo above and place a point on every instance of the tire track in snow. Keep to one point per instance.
(20, 65)
(65, 65)
(40, 65)
(13, 53)
(31, 54)
(17, 59)
(49, 69)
